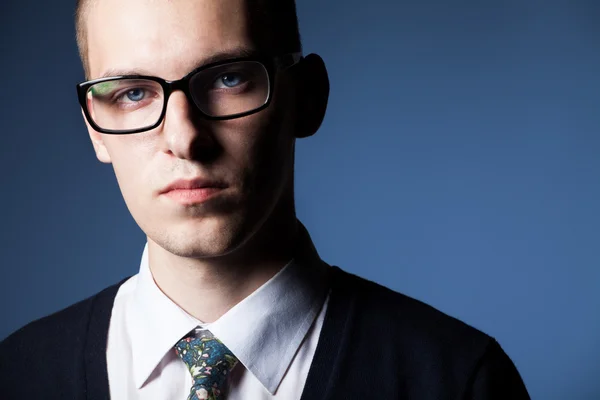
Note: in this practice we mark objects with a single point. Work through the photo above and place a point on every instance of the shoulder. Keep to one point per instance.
(68, 322)
(400, 312)
(411, 329)
(54, 344)
(423, 349)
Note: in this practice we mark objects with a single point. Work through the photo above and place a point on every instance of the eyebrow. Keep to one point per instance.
(241, 52)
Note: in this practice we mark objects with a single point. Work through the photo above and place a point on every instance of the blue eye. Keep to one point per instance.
(136, 94)
(230, 80)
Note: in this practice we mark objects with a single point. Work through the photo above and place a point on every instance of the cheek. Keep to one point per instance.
(131, 159)
(262, 146)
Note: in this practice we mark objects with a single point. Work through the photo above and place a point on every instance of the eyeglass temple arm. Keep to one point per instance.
(289, 60)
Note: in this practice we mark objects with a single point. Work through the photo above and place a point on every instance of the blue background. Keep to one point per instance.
(459, 163)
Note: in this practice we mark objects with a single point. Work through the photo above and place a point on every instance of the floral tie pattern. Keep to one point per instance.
(209, 361)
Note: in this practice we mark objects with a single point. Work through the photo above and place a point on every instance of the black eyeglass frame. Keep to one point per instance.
(270, 63)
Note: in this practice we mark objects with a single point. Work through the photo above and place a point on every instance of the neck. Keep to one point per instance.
(208, 288)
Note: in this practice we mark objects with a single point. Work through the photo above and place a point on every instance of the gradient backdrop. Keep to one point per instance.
(459, 163)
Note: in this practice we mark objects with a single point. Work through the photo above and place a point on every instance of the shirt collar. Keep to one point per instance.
(264, 331)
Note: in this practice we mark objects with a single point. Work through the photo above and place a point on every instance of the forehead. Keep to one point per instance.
(167, 38)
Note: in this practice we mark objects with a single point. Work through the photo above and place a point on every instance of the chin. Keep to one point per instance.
(202, 239)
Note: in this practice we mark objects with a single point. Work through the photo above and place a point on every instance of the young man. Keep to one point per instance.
(197, 105)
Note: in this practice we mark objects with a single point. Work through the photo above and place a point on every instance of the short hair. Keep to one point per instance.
(273, 24)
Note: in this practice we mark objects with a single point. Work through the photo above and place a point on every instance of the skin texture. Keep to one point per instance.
(206, 257)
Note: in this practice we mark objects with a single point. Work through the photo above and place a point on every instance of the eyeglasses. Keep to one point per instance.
(223, 90)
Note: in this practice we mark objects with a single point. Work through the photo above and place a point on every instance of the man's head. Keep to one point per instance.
(249, 159)
(273, 23)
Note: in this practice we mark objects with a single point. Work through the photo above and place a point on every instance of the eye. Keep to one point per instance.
(135, 95)
(229, 80)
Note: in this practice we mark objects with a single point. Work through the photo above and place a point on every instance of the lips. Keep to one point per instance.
(192, 184)
(192, 191)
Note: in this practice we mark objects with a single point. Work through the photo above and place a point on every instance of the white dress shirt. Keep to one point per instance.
(273, 333)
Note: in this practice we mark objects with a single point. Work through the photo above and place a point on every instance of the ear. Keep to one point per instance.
(98, 142)
(312, 88)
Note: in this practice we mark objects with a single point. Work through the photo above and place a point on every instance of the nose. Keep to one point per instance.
(185, 134)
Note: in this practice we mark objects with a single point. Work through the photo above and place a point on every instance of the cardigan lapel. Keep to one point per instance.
(96, 339)
(333, 340)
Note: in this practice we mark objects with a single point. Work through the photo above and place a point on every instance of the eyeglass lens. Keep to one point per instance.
(220, 91)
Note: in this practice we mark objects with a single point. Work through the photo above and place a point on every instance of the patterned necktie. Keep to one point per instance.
(209, 361)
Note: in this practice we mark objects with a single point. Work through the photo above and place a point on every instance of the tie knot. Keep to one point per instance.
(209, 361)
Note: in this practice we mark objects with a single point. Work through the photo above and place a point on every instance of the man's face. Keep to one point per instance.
(251, 157)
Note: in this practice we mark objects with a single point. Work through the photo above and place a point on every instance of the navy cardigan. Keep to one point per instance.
(374, 344)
